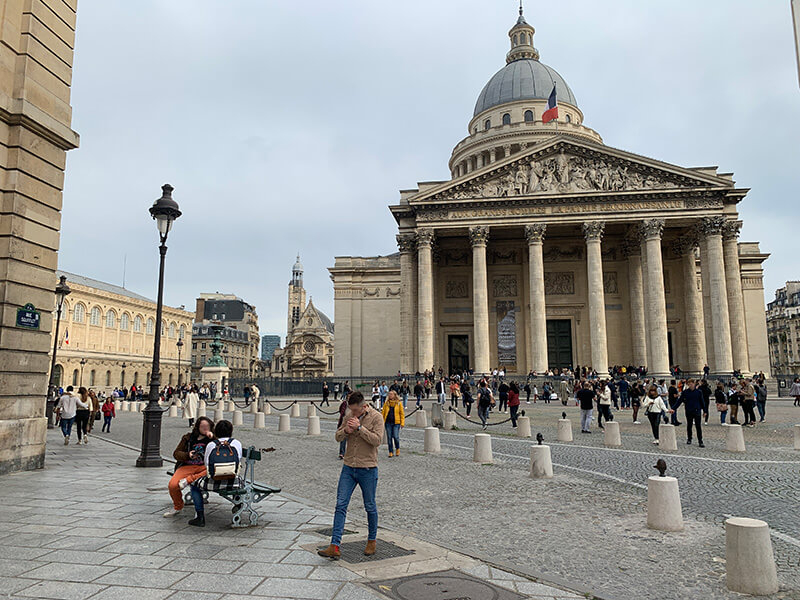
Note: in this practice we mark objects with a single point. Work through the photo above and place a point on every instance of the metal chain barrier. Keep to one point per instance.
(276, 408)
(478, 422)
(324, 412)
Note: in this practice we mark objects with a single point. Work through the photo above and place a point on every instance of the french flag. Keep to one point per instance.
(552, 108)
(66, 337)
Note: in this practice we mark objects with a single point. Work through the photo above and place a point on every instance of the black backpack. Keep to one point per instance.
(223, 462)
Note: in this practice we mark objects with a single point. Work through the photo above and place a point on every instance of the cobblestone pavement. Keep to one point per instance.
(587, 524)
(89, 526)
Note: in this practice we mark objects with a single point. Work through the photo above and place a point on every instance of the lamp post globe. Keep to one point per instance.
(164, 211)
(62, 290)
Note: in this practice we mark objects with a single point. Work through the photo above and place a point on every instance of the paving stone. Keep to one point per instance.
(9, 585)
(333, 574)
(136, 577)
(235, 584)
(20, 552)
(135, 547)
(304, 557)
(199, 565)
(66, 572)
(272, 570)
(184, 595)
(298, 588)
(251, 554)
(78, 557)
(141, 561)
(352, 591)
(60, 590)
(139, 593)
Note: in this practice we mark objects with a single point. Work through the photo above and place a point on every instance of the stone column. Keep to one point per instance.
(425, 290)
(733, 284)
(645, 293)
(656, 309)
(406, 242)
(478, 237)
(692, 306)
(480, 160)
(469, 164)
(538, 321)
(705, 287)
(492, 155)
(593, 232)
(632, 250)
(718, 292)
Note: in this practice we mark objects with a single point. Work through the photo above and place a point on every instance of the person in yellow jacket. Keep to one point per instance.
(394, 417)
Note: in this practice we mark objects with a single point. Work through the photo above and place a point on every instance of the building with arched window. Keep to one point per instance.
(102, 323)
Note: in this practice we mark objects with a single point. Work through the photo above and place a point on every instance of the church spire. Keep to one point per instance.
(521, 36)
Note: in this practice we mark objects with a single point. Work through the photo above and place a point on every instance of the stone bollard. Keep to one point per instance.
(482, 450)
(541, 463)
(311, 411)
(138, 406)
(524, 427)
(117, 405)
(267, 409)
(734, 438)
(664, 503)
(201, 408)
(432, 439)
(313, 425)
(422, 418)
(295, 412)
(283, 423)
(564, 430)
(611, 436)
(125, 406)
(254, 408)
(231, 406)
(449, 420)
(667, 439)
(259, 422)
(219, 415)
(173, 411)
(437, 419)
(237, 418)
(797, 437)
(749, 562)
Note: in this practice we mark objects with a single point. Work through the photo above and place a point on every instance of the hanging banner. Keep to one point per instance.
(506, 334)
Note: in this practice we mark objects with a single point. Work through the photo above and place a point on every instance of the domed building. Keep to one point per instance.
(548, 249)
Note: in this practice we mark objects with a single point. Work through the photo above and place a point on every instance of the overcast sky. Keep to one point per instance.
(290, 126)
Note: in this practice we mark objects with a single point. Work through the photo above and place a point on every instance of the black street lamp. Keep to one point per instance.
(62, 291)
(180, 346)
(83, 362)
(164, 210)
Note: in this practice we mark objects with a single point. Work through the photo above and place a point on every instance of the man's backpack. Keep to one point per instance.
(223, 462)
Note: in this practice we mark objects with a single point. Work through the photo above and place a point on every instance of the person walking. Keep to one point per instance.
(82, 414)
(325, 393)
(108, 413)
(502, 391)
(466, 396)
(190, 405)
(441, 391)
(721, 402)
(384, 393)
(734, 398)
(66, 409)
(694, 410)
(94, 411)
(485, 401)
(635, 394)
(761, 400)
(335, 392)
(748, 403)
(603, 404)
(418, 391)
(585, 398)
(394, 418)
(672, 398)
(795, 391)
(513, 402)
(405, 390)
(363, 430)
(654, 408)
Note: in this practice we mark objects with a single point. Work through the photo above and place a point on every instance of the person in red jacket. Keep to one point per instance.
(513, 402)
(108, 414)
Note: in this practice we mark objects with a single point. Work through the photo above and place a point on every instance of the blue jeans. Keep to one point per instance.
(66, 426)
(483, 413)
(393, 435)
(405, 401)
(623, 396)
(762, 409)
(367, 479)
(197, 498)
(722, 415)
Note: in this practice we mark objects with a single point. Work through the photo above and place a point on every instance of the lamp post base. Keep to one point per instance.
(151, 437)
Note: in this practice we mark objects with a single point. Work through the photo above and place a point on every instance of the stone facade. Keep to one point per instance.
(783, 329)
(556, 251)
(236, 352)
(36, 51)
(108, 327)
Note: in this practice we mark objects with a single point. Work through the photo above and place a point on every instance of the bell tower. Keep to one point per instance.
(297, 298)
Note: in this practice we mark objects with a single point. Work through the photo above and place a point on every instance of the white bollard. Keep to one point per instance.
(664, 503)
(295, 412)
(267, 410)
(422, 419)
(231, 406)
(734, 438)
(283, 423)
(564, 430)
(482, 450)
(219, 415)
(311, 411)
(117, 405)
(254, 408)
(125, 406)
(611, 436)
(749, 562)
(667, 440)
(201, 408)
(432, 440)
(260, 421)
(524, 427)
(541, 463)
(797, 437)
(237, 418)
(313, 425)
(449, 420)
(138, 406)
(173, 411)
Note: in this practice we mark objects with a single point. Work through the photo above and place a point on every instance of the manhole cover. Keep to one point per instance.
(442, 585)
(328, 531)
(353, 552)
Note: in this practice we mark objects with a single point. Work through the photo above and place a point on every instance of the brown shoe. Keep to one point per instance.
(331, 552)
(370, 549)
(397, 452)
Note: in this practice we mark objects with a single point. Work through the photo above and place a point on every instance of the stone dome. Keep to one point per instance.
(523, 79)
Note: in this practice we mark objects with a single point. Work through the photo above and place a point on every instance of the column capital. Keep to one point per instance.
(406, 242)
(478, 235)
(685, 244)
(534, 233)
(712, 226)
(425, 237)
(731, 230)
(593, 230)
(652, 229)
(631, 247)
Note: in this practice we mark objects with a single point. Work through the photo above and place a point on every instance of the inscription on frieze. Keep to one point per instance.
(559, 283)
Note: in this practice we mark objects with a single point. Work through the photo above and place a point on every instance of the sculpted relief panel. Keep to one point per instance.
(505, 286)
(559, 283)
(456, 289)
(610, 285)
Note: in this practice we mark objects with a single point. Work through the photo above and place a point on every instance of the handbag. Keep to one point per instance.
(97, 416)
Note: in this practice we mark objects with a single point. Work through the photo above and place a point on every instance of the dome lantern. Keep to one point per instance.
(521, 36)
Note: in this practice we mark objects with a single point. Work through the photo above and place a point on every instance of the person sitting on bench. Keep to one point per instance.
(190, 465)
(217, 467)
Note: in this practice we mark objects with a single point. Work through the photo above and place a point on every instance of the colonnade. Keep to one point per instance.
(715, 319)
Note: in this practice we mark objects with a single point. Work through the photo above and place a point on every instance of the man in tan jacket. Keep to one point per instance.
(362, 427)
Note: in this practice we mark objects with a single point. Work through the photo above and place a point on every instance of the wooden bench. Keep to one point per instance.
(244, 493)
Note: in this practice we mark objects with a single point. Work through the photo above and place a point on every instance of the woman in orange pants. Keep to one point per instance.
(190, 464)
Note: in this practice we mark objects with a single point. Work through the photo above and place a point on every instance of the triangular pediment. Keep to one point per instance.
(566, 167)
